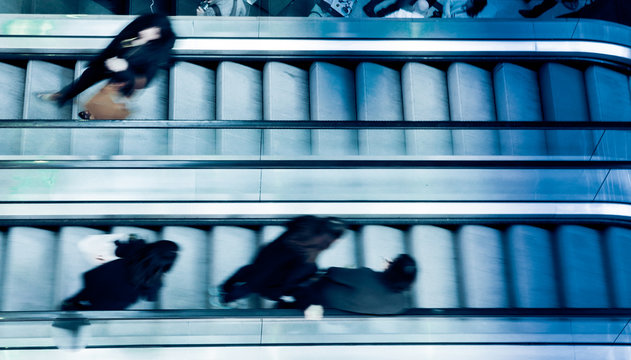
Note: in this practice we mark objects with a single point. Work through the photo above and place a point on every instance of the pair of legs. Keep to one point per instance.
(539, 9)
(90, 76)
(369, 8)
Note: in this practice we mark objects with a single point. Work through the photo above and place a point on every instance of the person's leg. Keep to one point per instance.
(90, 76)
(538, 10)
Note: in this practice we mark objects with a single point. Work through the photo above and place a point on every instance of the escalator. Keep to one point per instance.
(536, 243)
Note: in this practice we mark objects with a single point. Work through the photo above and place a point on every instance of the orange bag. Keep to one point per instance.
(107, 104)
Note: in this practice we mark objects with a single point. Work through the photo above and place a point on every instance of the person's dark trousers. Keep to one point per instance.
(232, 292)
(538, 10)
(90, 76)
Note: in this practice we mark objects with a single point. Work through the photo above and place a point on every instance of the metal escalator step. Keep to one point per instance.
(379, 98)
(11, 103)
(471, 98)
(285, 97)
(152, 102)
(437, 282)
(191, 97)
(564, 98)
(231, 248)
(380, 243)
(30, 269)
(184, 284)
(517, 99)
(144, 142)
(608, 94)
(618, 247)
(239, 97)
(425, 98)
(532, 267)
(332, 97)
(342, 253)
(582, 268)
(41, 77)
(482, 267)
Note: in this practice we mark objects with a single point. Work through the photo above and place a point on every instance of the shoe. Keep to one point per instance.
(85, 115)
(49, 96)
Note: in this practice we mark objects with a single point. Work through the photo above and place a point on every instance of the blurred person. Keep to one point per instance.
(285, 263)
(361, 290)
(120, 283)
(618, 11)
(130, 61)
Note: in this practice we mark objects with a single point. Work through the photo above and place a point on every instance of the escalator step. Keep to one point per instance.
(517, 99)
(332, 97)
(285, 97)
(425, 98)
(379, 98)
(471, 98)
(239, 97)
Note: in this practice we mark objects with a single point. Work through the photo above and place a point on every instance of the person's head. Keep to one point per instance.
(400, 273)
(152, 261)
(474, 7)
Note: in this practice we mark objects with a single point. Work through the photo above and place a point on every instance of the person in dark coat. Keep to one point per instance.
(362, 290)
(119, 283)
(132, 59)
(286, 262)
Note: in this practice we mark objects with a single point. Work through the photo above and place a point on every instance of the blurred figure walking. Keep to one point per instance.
(362, 290)
(119, 283)
(130, 61)
(286, 262)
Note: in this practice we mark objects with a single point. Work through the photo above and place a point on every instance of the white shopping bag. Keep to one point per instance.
(99, 249)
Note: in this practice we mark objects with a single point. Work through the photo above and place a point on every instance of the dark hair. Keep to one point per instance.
(476, 8)
(148, 264)
(401, 273)
(308, 235)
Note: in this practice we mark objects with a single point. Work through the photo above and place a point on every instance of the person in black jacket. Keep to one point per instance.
(132, 59)
(286, 262)
(361, 290)
(119, 283)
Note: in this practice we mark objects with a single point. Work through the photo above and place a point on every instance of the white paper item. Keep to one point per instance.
(99, 249)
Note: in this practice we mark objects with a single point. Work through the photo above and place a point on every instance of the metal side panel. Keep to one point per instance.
(437, 282)
(425, 98)
(285, 97)
(517, 99)
(191, 96)
(379, 98)
(531, 264)
(239, 97)
(332, 97)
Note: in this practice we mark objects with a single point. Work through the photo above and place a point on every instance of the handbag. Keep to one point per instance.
(108, 103)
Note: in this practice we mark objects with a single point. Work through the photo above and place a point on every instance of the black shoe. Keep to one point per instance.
(369, 10)
(539, 9)
(85, 115)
